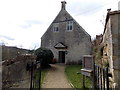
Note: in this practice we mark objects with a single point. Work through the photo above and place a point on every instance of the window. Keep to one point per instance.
(56, 27)
(69, 25)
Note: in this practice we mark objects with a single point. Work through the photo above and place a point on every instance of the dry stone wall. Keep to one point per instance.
(14, 70)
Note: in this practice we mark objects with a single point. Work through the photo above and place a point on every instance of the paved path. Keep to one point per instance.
(56, 78)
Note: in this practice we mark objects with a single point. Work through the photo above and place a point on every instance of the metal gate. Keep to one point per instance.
(101, 80)
(35, 69)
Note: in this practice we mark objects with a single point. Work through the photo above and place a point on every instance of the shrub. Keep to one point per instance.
(44, 55)
(98, 53)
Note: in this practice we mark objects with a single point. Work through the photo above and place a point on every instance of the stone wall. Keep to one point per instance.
(111, 43)
(116, 48)
(14, 70)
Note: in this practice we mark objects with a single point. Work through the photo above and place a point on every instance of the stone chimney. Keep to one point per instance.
(63, 4)
(109, 9)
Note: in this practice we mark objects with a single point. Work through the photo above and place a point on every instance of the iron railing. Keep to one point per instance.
(35, 82)
(101, 78)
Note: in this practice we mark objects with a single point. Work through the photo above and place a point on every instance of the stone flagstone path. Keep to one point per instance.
(56, 78)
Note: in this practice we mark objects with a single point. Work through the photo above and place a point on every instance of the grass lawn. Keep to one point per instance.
(75, 77)
(43, 75)
(43, 72)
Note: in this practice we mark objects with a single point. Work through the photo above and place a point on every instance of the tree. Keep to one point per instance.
(45, 56)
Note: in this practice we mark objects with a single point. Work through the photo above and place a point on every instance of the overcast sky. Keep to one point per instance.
(23, 22)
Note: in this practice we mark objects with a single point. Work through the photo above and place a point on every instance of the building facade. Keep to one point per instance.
(111, 44)
(66, 38)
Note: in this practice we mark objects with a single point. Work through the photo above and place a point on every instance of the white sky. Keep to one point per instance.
(23, 22)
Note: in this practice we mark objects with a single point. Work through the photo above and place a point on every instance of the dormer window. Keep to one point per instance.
(56, 27)
(69, 26)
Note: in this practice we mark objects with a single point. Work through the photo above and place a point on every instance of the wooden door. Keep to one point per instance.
(61, 56)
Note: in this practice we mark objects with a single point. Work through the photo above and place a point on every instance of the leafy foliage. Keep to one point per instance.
(44, 55)
(98, 53)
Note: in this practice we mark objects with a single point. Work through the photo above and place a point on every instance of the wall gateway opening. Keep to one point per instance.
(61, 56)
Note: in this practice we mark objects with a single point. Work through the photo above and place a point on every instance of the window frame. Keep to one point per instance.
(69, 25)
(56, 27)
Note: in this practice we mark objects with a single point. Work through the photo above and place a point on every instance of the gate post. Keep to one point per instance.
(94, 77)
(40, 76)
(107, 79)
(83, 81)
(31, 76)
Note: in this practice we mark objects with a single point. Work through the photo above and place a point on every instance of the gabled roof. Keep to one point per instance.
(64, 16)
(60, 46)
(108, 15)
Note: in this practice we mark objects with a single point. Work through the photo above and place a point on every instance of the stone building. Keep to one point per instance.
(66, 38)
(97, 40)
(111, 44)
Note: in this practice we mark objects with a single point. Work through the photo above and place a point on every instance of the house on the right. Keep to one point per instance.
(111, 44)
